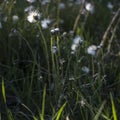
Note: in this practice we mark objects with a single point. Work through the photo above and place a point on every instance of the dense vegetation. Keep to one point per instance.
(59, 60)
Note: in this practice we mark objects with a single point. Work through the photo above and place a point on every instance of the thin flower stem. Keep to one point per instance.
(78, 17)
(45, 49)
(104, 38)
(109, 27)
(113, 35)
(58, 12)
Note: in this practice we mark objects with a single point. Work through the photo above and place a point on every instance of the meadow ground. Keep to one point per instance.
(59, 60)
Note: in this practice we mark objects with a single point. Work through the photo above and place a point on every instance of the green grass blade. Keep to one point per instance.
(99, 111)
(3, 91)
(113, 108)
(60, 111)
(41, 117)
(32, 77)
(43, 104)
(43, 101)
(33, 116)
(9, 115)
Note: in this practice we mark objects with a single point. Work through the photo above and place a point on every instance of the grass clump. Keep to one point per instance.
(59, 60)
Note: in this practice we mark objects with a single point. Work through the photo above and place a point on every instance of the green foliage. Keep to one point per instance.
(113, 108)
(58, 114)
(3, 91)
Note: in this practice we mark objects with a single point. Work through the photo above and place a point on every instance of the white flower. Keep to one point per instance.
(55, 31)
(33, 16)
(31, 1)
(62, 61)
(71, 78)
(77, 40)
(67, 118)
(83, 102)
(74, 47)
(85, 69)
(15, 18)
(62, 5)
(92, 50)
(90, 7)
(45, 23)
(72, 52)
(54, 49)
(44, 2)
(109, 5)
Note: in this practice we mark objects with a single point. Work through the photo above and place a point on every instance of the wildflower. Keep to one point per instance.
(33, 16)
(45, 23)
(62, 61)
(40, 78)
(15, 18)
(109, 5)
(44, 2)
(85, 69)
(74, 47)
(55, 31)
(62, 6)
(6, 1)
(71, 78)
(67, 118)
(31, 1)
(77, 40)
(90, 7)
(72, 52)
(92, 50)
(82, 102)
(54, 49)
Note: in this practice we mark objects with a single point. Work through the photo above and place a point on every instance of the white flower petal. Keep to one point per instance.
(92, 50)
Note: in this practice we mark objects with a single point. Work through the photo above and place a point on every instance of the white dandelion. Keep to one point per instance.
(62, 5)
(33, 16)
(77, 40)
(44, 2)
(15, 18)
(92, 50)
(45, 23)
(74, 47)
(54, 49)
(55, 31)
(110, 5)
(90, 7)
(85, 69)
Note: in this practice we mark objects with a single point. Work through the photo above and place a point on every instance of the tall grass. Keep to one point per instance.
(46, 69)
